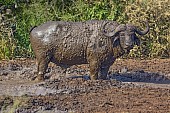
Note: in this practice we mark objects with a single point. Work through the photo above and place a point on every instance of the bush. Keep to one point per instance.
(7, 41)
(36, 12)
(157, 42)
(24, 14)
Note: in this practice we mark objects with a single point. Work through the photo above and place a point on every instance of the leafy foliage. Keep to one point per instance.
(157, 12)
(7, 41)
(19, 16)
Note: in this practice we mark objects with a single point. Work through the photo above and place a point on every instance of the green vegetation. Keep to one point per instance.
(18, 16)
(157, 12)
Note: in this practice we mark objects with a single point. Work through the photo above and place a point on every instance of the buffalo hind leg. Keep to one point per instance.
(42, 67)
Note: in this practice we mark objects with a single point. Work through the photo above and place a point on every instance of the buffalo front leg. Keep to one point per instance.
(94, 69)
(103, 73)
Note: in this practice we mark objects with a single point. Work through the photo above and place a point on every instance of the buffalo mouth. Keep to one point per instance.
(127, 48)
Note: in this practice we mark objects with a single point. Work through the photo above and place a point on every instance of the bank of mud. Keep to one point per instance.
(132, 86)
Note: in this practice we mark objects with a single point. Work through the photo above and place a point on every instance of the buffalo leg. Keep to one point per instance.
(103, 73)
(42, 67)
(94, 69)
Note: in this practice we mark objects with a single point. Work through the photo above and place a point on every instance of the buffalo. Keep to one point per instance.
(94, 42)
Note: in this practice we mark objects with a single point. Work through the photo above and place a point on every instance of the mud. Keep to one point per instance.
(132, 86)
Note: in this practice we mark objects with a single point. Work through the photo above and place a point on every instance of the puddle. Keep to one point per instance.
(24, 89)
(12, 80)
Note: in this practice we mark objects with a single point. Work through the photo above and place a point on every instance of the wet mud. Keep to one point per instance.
(132, 86)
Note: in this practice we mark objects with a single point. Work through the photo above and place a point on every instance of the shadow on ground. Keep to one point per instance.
(138, 76)
(141, 77)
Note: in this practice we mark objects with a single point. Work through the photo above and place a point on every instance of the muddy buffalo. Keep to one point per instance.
(95, 42)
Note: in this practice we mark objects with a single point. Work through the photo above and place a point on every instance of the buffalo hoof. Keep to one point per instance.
(102, 78)
(39, 78)
(93, 77)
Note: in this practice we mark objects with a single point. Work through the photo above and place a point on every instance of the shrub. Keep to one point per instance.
(157, 42)
(18, 16)
(7, 41)
(36, 12)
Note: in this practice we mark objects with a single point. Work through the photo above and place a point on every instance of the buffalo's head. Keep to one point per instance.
(126, 33)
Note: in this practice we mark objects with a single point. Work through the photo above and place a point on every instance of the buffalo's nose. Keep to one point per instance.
(128, 44)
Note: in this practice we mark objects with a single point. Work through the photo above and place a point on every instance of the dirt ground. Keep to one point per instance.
(133, 85)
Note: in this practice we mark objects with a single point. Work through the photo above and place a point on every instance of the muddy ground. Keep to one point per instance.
(132, 86)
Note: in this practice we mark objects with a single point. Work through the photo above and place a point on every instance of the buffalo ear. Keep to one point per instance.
(115, 38)
(136, 40)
